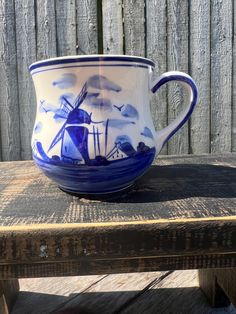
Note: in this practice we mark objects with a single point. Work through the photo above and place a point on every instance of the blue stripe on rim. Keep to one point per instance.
(58, 61)
(94, 65)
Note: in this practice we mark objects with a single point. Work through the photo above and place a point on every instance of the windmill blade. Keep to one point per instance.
(82, 95)
(81, 100)
(67, 102)
(79, 96)
(58, 116)
(58, 137)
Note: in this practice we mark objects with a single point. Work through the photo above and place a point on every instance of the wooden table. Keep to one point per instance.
(180, 215)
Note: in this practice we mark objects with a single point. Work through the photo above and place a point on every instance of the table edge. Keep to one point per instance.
(115, 223)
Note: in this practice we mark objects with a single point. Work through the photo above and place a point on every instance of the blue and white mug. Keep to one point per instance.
(93, 132)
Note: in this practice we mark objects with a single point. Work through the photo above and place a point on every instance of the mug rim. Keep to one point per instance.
(90, 58)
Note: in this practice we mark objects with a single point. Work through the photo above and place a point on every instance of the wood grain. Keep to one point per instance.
(156, 27)
(8, 293)
(26, 54)
(51, 293)
(118, 286)
(115, 266)
(9, 105)
(219, 285)
(221, 75)
(191, 36)
(200, 71)
(176, 293)
(112, 27)
(177, 59)
(234, 83)
(130, 241)
(181, 215)
(46, 29)
(226, 279)
(3, 305)
(87, 31)
(176, 188)
(134, 27)
(209, 284)
(151, 293)
(66, 27)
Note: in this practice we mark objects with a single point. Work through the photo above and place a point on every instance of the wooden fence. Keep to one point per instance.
(195, 36)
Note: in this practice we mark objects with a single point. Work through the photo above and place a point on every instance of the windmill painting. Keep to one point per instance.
(93, 148)
(78, 126)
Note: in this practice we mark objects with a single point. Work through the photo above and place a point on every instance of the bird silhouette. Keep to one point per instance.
(119, 107)
(42, 107)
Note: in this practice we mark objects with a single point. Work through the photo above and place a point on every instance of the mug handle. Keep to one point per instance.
(188, 83)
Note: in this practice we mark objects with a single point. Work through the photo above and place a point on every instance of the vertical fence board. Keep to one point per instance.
(200, 71)
(9, 111)
(87, 27)
(26, 54)
(221, 75)
(46, 29)
(112, 27)
(134, 27)
(177, 59)
(233, 133)
(66, 27)
(156, 50)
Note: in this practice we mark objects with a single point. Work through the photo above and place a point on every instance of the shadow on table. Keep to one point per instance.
(166, 300)
(195, 190)
(173, 182)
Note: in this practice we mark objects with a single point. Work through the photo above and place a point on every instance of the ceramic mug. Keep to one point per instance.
(93, 132)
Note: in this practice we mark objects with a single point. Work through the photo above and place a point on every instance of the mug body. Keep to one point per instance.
(93, 131)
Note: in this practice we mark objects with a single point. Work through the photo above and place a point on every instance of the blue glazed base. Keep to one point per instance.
(102, 179)
(101, 194)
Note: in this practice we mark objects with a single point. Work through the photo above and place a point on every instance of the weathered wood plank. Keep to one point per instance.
(9, 110)
(26, 54)
(115, 266)
(176, 293)
(123, 294)
(200, 71)
(233, 135)
(46, 29)
(196, 230)
(209, 284)
(134, 27)
(8, 293)
(66, 27)
(226, 279)
(3, 305)
(112, 27)
(221, 75)
(87, 27)
(157, 51)
(187, 188)
(40, 290)
(219, 285)
(113, 292)
(86, 241)
(177, 59)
